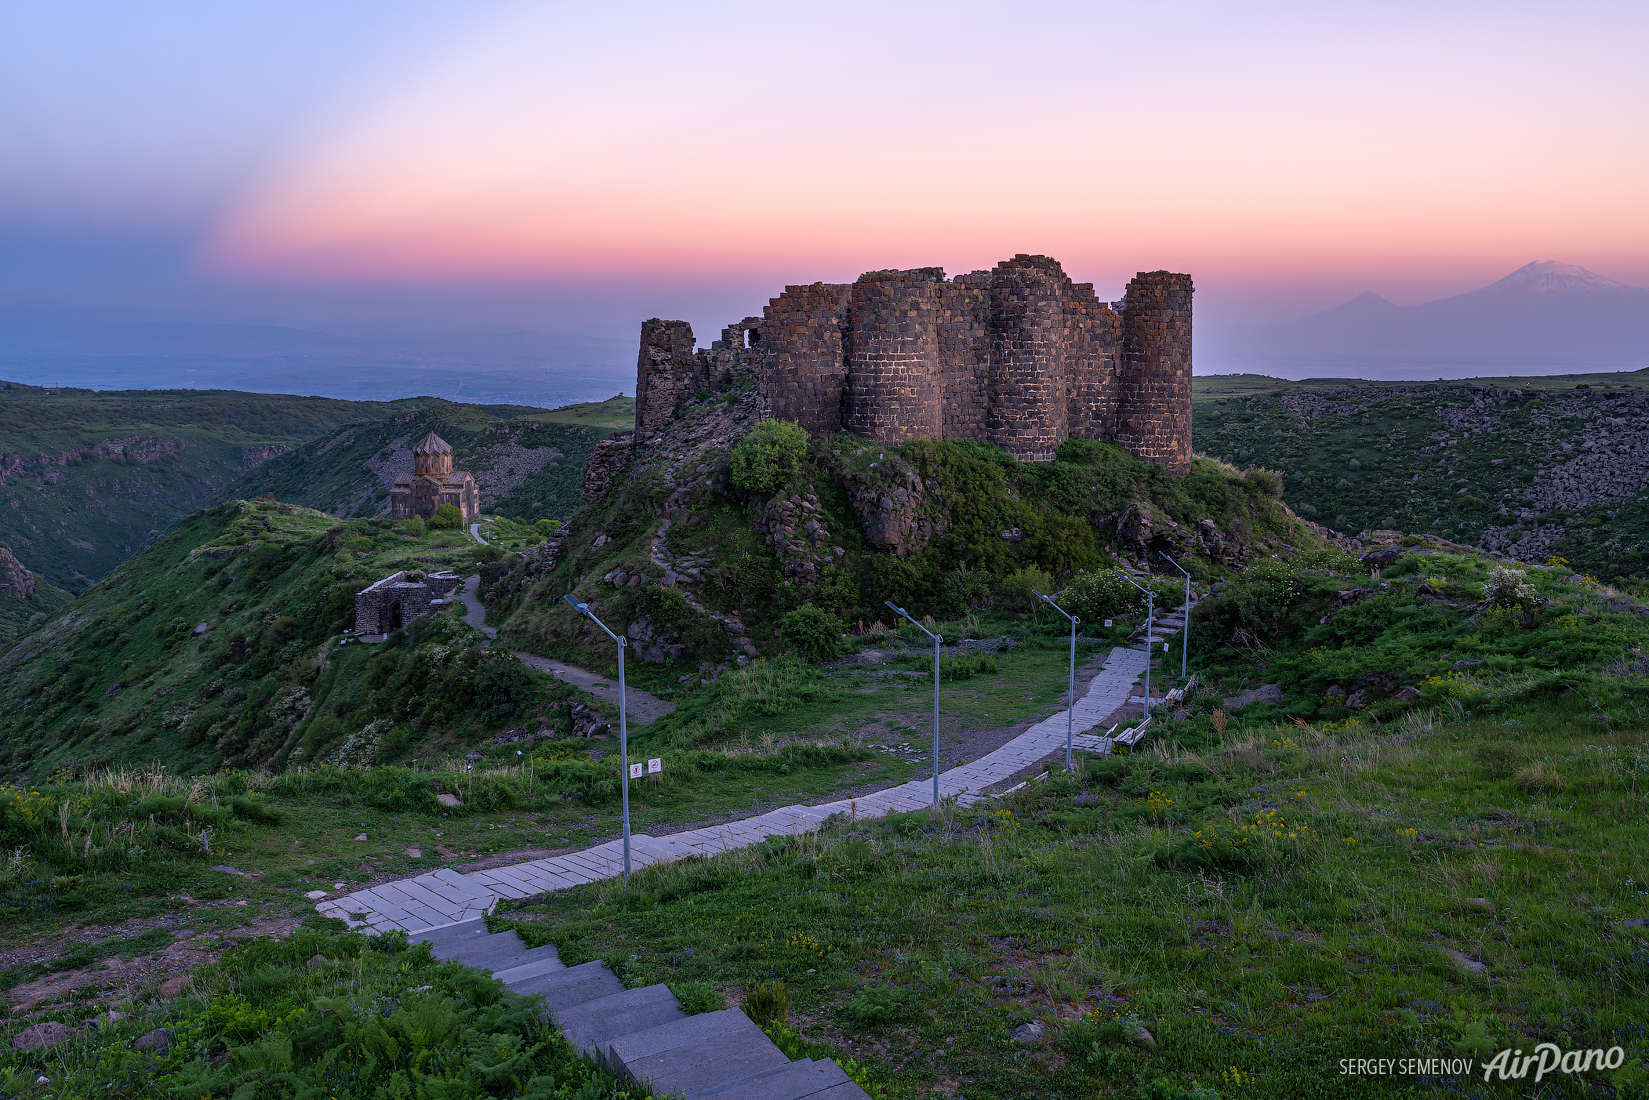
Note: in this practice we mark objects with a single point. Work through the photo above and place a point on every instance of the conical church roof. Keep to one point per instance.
(432, 444)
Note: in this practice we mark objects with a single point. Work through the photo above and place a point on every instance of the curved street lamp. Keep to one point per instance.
(623, 731)
(1150, 614)
(936, 641)
(1070, 698)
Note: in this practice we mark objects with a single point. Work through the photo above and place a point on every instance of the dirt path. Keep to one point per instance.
(640, 707)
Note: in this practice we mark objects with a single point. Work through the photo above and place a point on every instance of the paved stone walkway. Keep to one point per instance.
(445, 897)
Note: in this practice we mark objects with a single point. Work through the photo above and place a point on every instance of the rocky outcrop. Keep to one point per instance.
(131, 449)
(794, 527)
(15, 579)
(259, 453)
(893, 511)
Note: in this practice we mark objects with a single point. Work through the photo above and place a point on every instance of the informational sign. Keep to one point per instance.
(635, 771)
(1107, 622)
(654, 766)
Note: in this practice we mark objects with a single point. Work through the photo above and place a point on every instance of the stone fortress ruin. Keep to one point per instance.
(1019, 356)
(432, 483)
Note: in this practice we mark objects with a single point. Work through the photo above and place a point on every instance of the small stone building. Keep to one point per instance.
(400, 598)
(432, 483)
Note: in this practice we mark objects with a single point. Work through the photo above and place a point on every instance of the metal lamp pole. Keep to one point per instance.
(1070, 698)
(1185, 628)
(623, 730)
(936, 641)
(1150, 614)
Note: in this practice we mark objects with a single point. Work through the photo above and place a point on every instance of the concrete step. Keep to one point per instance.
(495, 952)
(545, 961)
(536, 956)
(695, 1054)
(572, 985)
(590, 1025)
(803, 1080)
(450, 934)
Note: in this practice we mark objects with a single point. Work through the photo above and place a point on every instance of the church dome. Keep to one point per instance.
(432, 444)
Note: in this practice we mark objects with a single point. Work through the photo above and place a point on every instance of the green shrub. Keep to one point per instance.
(1263, 482)
(1104, 594)
(545, 527)
(812, 633)
(361, 545)
(966, 667)
(1017, 590)
(414, 527)
(767, 1003)
(446, 517)
(874, 1005)
(769, 456)
(697, 997)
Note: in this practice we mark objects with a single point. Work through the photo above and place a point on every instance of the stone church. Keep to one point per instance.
(432, 483)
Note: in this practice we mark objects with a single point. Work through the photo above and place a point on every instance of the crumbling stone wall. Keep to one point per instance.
(608, 461)
(666, 372)
(1019, 356)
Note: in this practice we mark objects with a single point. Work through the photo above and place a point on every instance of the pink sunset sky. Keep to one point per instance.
(577, 167)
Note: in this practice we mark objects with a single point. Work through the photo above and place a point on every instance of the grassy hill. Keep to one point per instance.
(1264, 890)
(528, 463)
(1530, 467)
(88, 477)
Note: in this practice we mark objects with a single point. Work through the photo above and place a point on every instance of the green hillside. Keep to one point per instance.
(1529, 467)
(764, 537)
(218, 646)
(528, 463)
(88, 478)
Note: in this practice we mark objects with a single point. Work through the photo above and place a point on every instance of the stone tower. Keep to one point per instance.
(1154, 386)
(432, 457)
(893, 390)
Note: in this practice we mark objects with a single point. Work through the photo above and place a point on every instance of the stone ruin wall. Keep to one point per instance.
(1019, 356)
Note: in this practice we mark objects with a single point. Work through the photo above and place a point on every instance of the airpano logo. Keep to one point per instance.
(1547, 1058)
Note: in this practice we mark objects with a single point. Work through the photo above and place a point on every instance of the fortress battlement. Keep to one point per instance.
(1019, 356)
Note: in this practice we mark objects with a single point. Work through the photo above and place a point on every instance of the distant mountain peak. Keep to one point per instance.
(1548, 276)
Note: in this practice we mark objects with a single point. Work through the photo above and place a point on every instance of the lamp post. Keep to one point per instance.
(1185, 628)
(1150, 614)
(936, 641)
(623, 730)
(1070, 698)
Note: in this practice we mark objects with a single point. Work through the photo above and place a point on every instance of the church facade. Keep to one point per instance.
(432, 483)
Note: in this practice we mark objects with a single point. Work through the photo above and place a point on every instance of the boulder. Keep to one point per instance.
(1269, 694)
(1407, 694)
(1030, 1032)
(1386, 555)
(159, 1041)
(176, 987)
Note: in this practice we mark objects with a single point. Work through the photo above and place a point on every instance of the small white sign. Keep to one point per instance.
(654, 766)
(1107, 622)
(635, 771)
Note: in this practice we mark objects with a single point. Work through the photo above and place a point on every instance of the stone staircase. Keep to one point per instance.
(643, 1035)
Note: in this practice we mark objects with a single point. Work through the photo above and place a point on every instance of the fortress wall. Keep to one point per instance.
(964, 338)
(1092, 338)
(1154, 388)
(1027, 416)
(1018, 355)
(804, 364)
(666, 372)
(893, 387)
